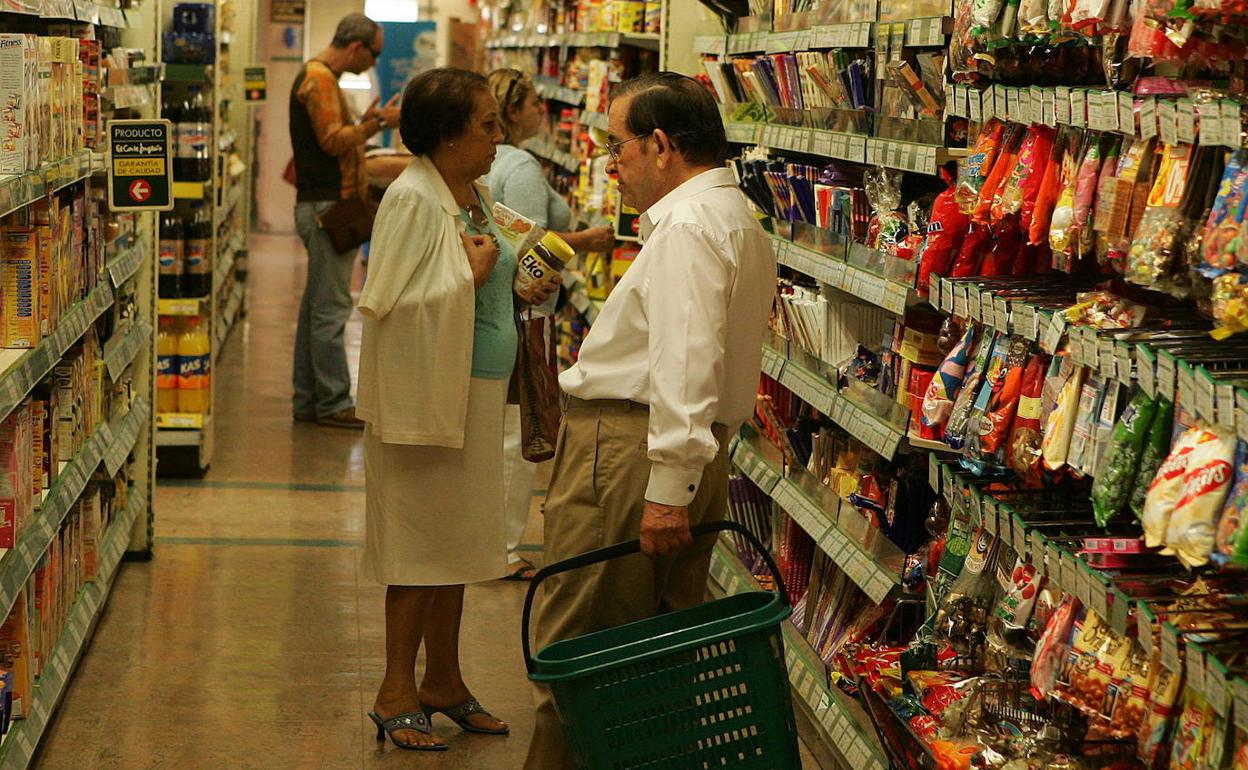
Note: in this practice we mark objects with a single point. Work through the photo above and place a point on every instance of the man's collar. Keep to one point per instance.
(715, 177)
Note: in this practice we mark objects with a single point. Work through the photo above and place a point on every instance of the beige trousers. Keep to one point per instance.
(596, 497)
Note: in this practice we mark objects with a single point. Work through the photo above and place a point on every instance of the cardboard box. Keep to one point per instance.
(15, 474)
(15, 655)
(19, 282)
(16, 109)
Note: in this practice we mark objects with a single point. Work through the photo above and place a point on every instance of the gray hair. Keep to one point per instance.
(354, 28)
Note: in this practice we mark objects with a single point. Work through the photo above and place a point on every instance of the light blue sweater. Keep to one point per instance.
(516, 181)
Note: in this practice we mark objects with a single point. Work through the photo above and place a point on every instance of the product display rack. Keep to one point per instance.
(185, 437)
(92, 505)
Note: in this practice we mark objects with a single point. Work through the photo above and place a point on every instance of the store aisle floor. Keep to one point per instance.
(251, 641)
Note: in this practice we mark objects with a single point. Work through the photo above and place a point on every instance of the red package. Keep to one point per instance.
(973, 170)
(1025, 435)
(1046, 196)
(1085, 195)
(945, 232)
(925, 726)
(994, 426)
(971, 255)
(1001, 171)
(1007, 242)
(1032, 259)
(1024, 180)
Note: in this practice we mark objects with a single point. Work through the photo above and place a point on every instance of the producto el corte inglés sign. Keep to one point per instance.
(140, 168)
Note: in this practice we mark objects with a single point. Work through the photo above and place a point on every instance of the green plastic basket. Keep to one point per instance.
(705, 687)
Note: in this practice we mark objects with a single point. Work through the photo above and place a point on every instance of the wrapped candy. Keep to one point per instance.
(1025, 436)
(959, 419)
(1206, 484)
(1061, 233)
(1231, 542)
(1052, 649)
(945, 232)
(889, 227)
(947, 383)
(1040, 216)
(1152, 250)
(1086, 179)
(1222, 229)
(1001, 170)
(973, 170)
(994, 426)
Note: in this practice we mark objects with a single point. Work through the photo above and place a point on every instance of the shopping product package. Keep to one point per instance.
(1232, 542)
(1059, 425)
(945, 386)
(1025, 435)
(973, 170)
(957, 425)
(1156, 447)
(1206, 484)
(945, 231)
(1223, 227)
(1117, 470)
(1166, 489)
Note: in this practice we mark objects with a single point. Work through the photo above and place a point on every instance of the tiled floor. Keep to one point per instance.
(250, 640)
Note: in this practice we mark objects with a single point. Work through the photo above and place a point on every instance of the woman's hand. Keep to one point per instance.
(547, 290)
(599, 239)
(482, 256)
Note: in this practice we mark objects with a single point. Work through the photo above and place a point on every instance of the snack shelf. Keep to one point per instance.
(814, 389)
(893, 296)
(544, 147)
(852, 34)
(550, 89)
(125, 264)
(21, 370)
(17, 563)
(125, 431)
(1156, 371)
(577, 40)
(22, 740)
(20, 190)
(910, 156)
(121, 349)
(843, 725)
(68, 10)
(839, 530)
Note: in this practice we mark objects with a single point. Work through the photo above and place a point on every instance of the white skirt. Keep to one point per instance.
(435, 515)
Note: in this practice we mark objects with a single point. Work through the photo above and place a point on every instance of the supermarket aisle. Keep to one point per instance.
(250, 640)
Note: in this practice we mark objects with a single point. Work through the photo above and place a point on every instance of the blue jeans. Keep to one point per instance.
(322, 378)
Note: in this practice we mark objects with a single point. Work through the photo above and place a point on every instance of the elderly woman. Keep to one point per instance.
(516, 181)
(438, 349)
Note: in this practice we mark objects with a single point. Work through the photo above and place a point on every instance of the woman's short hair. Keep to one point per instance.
(511, 88)
(437, 106)
(683, 108)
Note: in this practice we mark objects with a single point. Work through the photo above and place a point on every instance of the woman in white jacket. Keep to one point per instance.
(438, 350)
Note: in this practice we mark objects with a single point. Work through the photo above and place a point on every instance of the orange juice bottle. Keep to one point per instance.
(194, 361)
(167, 367)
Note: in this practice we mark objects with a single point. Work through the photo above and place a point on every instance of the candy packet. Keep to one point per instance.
(1053, 648)
(945, 231)
(1222, 229)
(1007, 628)
(1128, 694)
(1111, 489)
(994, 426)
(1206, 484)
(973, 170)
(1011, 143)
(1041, 216)
(957, 425)
(1191, 732)
(1082, 438)
(1164, 688)
(1025, 436)
(945, 386)
(1231, 535)
(999, 365)
(1157, 235)
(1062, 236)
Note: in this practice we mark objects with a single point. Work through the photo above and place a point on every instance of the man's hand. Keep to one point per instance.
(664, 529)
(388, 115)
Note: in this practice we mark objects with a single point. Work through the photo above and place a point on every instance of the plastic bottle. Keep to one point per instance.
(194, 130)
(167, 364)
(196, 267)
(203, 125)
(172, 255)
(194, 362)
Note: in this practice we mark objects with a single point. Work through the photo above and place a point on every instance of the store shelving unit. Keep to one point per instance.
(185, 438)
(116, 312)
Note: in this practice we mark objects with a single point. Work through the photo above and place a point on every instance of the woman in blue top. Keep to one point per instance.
(516, 181)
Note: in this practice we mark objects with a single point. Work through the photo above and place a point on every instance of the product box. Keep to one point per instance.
(15, 481)
(17, 111)
(19, 282)
(43, 215)
(44, 95)
(91, 531)
(15, 655)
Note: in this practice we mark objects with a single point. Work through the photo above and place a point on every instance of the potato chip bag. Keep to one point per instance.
(1206, 484)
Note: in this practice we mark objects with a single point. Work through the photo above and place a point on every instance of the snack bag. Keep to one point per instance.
(1164, 688)
(973, 170)
(975, 246)
(1061, 234)
(1082, 438)
(945, 386)
(1206, 483)
(1222, 229)
(1166, 489)
(1025, 436)
(1001, 171)
(1128, 694)
(959, 419)
(1007, 627)
(1053, 648)
(1024, 179)
(1059, 425)
(1153, 248)
(1111, 488)
(945, 231)
(994, 426)
(1156, 447)
(1085, 194)
(1191, 732)
(998, 367)
(1231, 524)
(1041, 216)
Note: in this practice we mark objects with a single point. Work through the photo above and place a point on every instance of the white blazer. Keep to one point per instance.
(419, 309)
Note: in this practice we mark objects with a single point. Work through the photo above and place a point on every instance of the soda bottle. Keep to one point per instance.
(171, 111)
(194, 129)
(172, 255)
(167, 364)
(202, 147)
(194, 362)
(196, 267)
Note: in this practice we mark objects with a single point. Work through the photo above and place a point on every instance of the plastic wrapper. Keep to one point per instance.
(959, 419)
(1127, 699)
(1231, 543)
(883, 187)
(999, 365)
(1111, 489)
(1160, 228)
(1166, 489)
(1059, 423)
(962, 618)
(1025, 436)
(984, 14)
(1084, 16)
(975, 246)
(1156, 447)
(1081, 440)
(1192, 732)
(947, 383)
(945, 233)
(1007, 627)
(1206, 484)
(1007, 244)
(973, 170)
(1041, 215)
(1226, 219)
(994, 426)
(1024, 180)
(1086, 179)
(1164, 687)
(1062, 221)
(1001, 170)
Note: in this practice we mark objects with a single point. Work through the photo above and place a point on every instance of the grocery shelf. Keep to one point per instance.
(543, 147)
(21, 370)
(129, 96)
(120, 350)
(813, 388)
(20, 190)
(181, 306)
(743, 133)
(840, 531)
(23, 738)
(550, 89)
(126, 263)
(125, 432)
(843, 725)
(577, 40)
(910, 156)
(814, 141)
(893, 296)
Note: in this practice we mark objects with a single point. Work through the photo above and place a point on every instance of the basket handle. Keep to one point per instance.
(627, 548)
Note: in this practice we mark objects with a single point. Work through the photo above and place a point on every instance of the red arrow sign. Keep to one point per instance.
(140, 190)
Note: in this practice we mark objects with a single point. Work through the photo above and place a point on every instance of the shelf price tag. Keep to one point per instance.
(1078, 107)
(1167, 379)
(1170, 648)
(1185, 121)
(1039, 545)
(1206, 396)
(975, 104)
(1062, 105)
(1126, 113)
(1053, 333)
(1145, 370)
(1167, 122)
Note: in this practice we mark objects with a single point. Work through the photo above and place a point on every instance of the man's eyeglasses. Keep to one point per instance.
(614, 147)
(376, 52)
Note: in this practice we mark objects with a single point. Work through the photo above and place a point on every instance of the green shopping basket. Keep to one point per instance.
(704, 687)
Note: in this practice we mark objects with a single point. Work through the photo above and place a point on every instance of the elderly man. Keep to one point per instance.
(329, 167)
(668, 372)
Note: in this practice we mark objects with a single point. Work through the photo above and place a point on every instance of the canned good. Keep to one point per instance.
(541, 264)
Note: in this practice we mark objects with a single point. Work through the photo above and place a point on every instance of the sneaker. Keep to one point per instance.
(344, 419)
